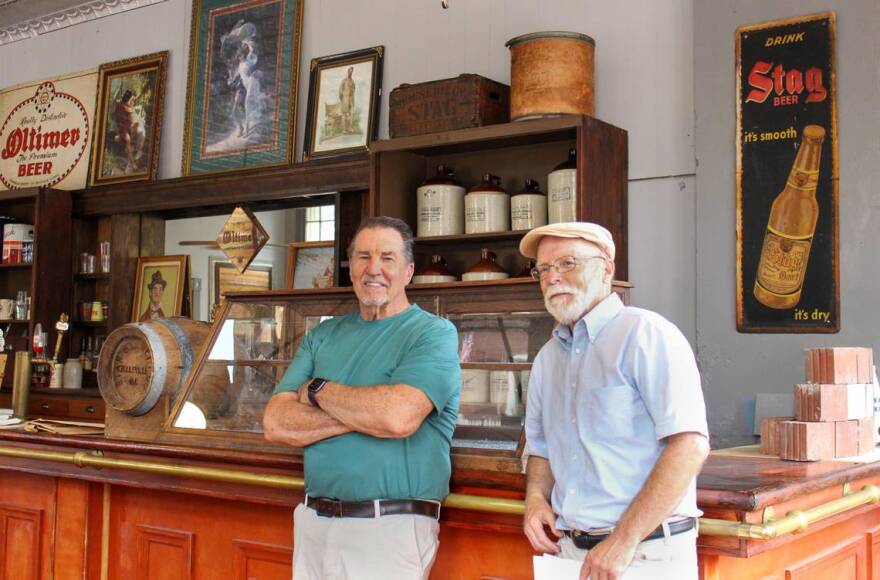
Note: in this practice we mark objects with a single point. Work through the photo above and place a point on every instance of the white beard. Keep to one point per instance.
(579, 304)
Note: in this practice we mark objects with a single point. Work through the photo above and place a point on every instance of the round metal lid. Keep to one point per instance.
(548, 35)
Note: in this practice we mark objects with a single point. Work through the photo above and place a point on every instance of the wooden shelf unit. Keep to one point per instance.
(513, 151)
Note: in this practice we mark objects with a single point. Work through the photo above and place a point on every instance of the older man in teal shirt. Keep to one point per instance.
(373, 398)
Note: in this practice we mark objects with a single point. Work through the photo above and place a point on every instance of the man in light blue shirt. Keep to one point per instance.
(615, 420)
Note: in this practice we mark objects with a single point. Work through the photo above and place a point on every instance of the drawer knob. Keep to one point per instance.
(90, 409)
(45, 406)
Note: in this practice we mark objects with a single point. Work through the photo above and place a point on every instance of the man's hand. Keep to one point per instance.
(609, 560)
(538, 514)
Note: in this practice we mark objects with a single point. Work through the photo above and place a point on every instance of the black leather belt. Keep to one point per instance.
(332, 508)
(589, 540)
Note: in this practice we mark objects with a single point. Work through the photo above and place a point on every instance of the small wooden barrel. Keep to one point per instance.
(142, 360)
(551, 73)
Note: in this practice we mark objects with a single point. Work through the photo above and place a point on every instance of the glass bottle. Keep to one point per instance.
(789, 234)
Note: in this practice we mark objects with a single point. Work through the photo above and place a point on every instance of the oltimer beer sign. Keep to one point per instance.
(45, 134)
(786, 166)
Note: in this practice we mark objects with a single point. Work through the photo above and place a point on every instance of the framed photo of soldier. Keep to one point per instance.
(344, 96)
(160, 287)
(242, 84)
(131, 99)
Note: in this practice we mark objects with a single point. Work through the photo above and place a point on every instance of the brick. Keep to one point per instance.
(846, 438)
(806, 441)
(842, 366)
(821, 402)
(808, 365)
(866, 435)
(770, 434)
(865, 365)
(823, 362)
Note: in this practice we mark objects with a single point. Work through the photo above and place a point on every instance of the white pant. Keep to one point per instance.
(384, 548)
(673, 557)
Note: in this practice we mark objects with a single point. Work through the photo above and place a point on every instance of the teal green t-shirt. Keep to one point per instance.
(413, 347)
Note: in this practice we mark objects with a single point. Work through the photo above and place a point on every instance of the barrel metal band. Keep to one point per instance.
(160, 369)
(186, 352)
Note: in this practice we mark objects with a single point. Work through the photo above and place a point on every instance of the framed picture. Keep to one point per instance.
(225, 277)
(159, 287)
(242, 84)
(131, 97)
(344, 94)
(310, 265)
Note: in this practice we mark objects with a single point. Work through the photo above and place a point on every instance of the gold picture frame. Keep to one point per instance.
(171, 273)
(130, 109)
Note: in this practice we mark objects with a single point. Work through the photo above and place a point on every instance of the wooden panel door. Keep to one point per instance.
(842, 562)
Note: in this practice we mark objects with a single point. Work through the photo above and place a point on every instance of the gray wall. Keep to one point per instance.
(735, 367)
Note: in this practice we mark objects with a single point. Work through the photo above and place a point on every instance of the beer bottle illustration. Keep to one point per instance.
(790, 228)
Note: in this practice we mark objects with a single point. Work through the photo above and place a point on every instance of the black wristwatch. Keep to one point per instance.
(314, 388)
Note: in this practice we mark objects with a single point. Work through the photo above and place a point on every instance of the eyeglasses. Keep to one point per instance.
(562, 265)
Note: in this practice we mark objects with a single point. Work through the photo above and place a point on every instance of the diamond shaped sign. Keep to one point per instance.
(242, 238)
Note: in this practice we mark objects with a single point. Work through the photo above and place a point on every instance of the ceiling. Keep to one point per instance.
(18, 11)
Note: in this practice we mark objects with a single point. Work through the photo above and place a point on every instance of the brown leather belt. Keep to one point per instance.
(332, 508)
(589, 540)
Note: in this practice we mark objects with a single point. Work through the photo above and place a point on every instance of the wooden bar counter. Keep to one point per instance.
(89, 507)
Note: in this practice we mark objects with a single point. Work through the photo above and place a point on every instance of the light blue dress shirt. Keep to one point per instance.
(601, 401)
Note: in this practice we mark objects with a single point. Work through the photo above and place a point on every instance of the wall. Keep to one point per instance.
(643, 79)
(735, 367)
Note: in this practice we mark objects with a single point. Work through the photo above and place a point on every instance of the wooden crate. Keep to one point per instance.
(465, 101)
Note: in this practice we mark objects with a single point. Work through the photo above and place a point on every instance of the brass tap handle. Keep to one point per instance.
(61, 326)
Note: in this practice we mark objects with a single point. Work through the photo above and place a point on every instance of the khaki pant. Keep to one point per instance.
(384, 548)
(672, 557)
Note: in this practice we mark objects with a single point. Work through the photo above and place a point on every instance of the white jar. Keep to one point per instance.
(562, 191)
(440, 205)
(528, 208)
(73, 374)
(474, 386)
(487, 207)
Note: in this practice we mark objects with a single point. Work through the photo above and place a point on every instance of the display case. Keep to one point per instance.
(501, 326)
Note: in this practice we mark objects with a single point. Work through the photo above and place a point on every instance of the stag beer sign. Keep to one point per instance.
(46, 132)
(787, 226)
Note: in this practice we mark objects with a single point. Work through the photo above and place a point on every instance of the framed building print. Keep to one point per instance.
(344, 95)
(159, 287)
(242, 85)
(225, 277)
(310, 265)
(131, 98)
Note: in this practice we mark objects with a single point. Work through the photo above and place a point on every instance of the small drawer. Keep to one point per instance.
(48, 406)
(86, 409)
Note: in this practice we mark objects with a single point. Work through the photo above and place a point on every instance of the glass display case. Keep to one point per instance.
(501, 326)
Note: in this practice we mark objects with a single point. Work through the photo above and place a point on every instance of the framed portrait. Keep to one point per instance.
(242, 84)
(225, 277)
(159, 287)
(131, 99)
(344, 94)
(310, 265)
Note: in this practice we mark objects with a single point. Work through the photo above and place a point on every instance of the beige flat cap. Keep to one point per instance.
(593, 233)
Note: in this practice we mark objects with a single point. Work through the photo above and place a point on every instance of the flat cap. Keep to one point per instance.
(593, 233)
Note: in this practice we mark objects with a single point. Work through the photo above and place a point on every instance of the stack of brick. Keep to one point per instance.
(834, 409)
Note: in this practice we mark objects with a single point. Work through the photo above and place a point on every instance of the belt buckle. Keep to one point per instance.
(329, 508)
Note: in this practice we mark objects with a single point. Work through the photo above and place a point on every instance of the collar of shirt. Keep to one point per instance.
(593, 321)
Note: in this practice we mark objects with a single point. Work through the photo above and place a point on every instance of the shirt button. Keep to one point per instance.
(574, 385)
(574, 455)
(571, 492)
(577, 350)
(574, 420)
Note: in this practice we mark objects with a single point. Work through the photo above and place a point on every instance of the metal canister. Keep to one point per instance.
(528, 208)
(440, 205)
(551, 73)
(562, 191)
(487, 207)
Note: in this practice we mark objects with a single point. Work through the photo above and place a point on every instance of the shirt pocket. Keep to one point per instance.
(608, 414)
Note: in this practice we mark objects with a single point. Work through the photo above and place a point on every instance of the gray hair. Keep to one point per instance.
(393, 223)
